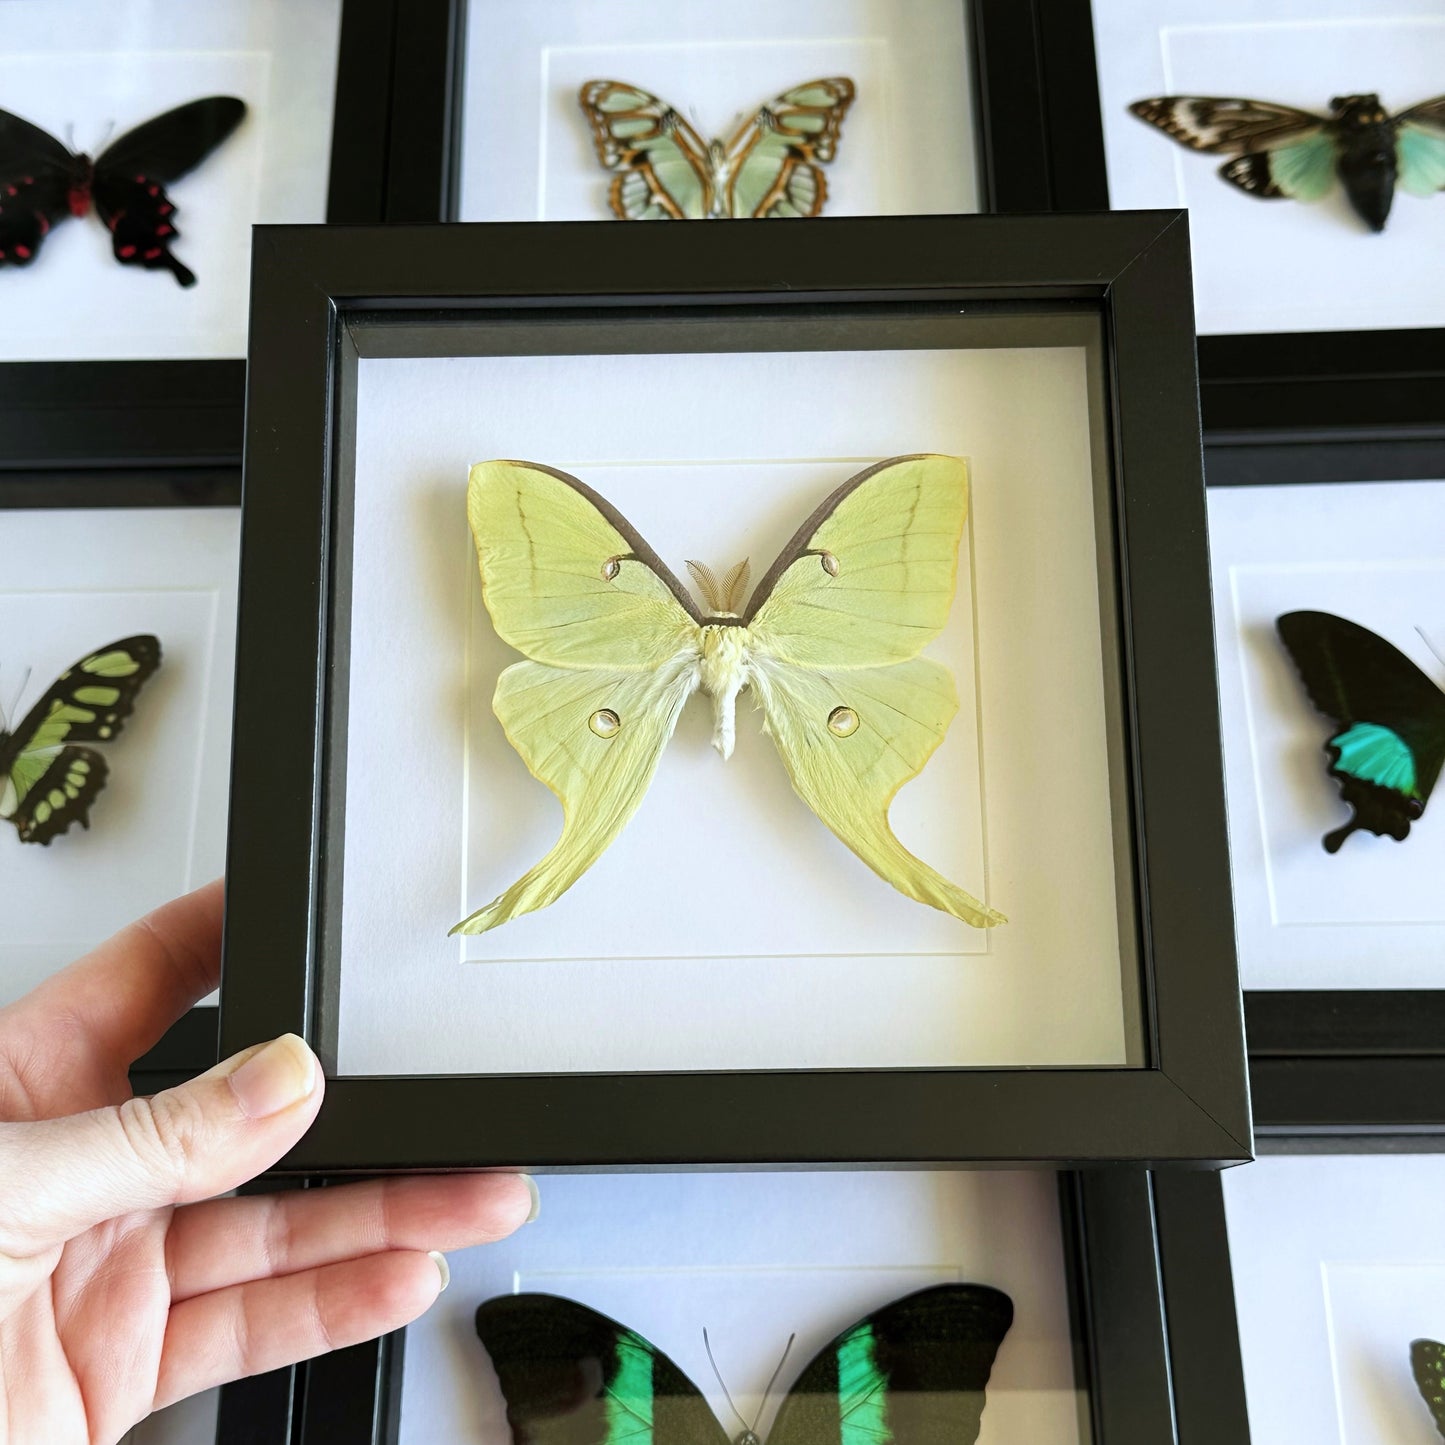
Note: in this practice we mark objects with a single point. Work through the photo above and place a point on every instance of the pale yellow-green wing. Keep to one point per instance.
(594, 736)
(566, 578)
(850, 738)
(869, 577)
(835, 629)
(569, 582)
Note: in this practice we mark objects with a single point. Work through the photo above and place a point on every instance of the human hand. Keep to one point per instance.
(124, 1284)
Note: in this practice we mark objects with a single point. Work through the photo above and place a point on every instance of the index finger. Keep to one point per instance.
(121, 997)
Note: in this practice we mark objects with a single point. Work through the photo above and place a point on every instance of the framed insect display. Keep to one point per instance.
(683, 956)
(118, 613)
(507, 113)
(1326, 601)
(134, 158)
(1309, 149)
(1339, 1286)
(1085, 1354)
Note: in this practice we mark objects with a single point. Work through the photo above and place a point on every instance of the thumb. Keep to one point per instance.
(229, 1124)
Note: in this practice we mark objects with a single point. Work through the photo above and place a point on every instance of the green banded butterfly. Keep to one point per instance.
(1390, 743)
(1427, 1360)
(47, 782)
(1280, 151)
(665, 171)
(910, 1373)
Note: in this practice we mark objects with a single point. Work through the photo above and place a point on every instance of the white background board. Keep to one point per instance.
(907, 145)
(74, 580)
(1373, 914)
(727, 928)
(1276, 265)
(754, 1257)
(1338, 1264)
(91, 70)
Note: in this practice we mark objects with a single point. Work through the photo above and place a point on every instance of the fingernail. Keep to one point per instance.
(536, 1194)
(443, 1269)
(279, 1075)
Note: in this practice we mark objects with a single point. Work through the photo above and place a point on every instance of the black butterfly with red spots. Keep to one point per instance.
(42, 182)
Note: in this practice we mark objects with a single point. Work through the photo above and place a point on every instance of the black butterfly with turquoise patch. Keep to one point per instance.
(1280, 151)
(47, 782)
(910, 1373)
(42, 182)
(1427, 1360)
(1390, 745)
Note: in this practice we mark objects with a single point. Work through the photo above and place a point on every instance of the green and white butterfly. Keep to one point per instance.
(1280, 151)
(828, 645)
(47, 782)
(665, 171)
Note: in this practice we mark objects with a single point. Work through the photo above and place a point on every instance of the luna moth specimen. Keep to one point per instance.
(1390, 743)
(665, 171)
(828, 644)
(1427, 1361)
(1280, 151)
(47, 782)
(42, 182)
(911, 1373)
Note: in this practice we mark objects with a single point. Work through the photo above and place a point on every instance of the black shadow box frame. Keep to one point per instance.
(1021, 50)
(324, 298)
(1156, 1351)
(60, 419)
(189, 1046)
(1346, 1063)
(1358, 386)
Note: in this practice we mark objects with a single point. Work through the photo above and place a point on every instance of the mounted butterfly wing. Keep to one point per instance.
(48, 781)
(37, 174)
(41, 182)
(913, 1372)
(1390, 744)
(1427, 1363)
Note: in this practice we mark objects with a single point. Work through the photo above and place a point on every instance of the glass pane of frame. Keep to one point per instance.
(191, 1421)
(691, 74)
(77, 578)
(755, 1259)
(88, 73)
(1372, 553)
(1278, 265)
(1337, 1271)
(756, 939)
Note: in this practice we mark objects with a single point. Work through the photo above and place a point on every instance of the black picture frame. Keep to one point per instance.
(1022, 52)
(189, 1046)
(1362, 386)
(324, 297)
(1343, 1063)
(62, 419)
(1148, 1285)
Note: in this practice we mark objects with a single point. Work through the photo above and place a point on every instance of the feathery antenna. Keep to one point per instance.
(1435, 651)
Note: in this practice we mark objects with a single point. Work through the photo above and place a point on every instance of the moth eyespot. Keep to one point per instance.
(842, 722)
(610, 568)
(830, 563)
(605, 723)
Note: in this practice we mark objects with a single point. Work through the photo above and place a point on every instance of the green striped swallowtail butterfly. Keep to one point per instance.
(910, 1373)
(1427, 1360)
(42, 182)
(1390, 744)
(47, 781)
(665, 171)
(1280, 151)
